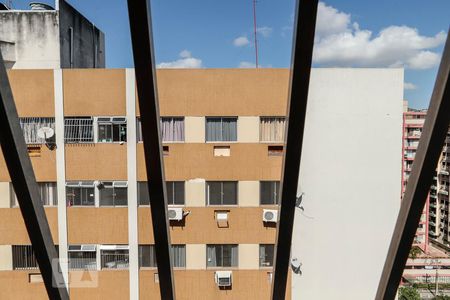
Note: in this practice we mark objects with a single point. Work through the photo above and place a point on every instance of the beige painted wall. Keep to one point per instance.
(194, 128)
(248, 193)
(5, 258)
(248, 256)
(4, 195)
(195, 192)
(195, 256)
(248, 129)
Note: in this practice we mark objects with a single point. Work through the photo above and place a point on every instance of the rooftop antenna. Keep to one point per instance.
(255, 30)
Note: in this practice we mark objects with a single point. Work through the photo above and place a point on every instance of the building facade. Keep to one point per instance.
(48, 38)
(223, 141)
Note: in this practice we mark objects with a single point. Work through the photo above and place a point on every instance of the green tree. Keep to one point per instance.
(442, 297)
(408, 293)
(414, 252)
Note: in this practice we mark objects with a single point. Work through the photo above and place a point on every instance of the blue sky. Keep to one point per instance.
(218, 34)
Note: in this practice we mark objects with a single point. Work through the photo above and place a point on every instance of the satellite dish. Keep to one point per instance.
(45, 133)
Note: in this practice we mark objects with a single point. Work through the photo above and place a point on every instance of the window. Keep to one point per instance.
(222, 255)
(113, 193)
(272, 129)
(78, 130)
(23, 257)
(266, 255)
(82, 257)
(147, 256)
(47, 192)
(175, 192)
(80, 193)
(30, 127)
(172, 129)
(112, 129)
(269, 192)
(221, 192)
(221, 129)
(114, 257)
(142, 192)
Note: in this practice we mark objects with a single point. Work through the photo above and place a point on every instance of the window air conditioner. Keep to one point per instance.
(175, 213)
(270, 215)
(223, 278)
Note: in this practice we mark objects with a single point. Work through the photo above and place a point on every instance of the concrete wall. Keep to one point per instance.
(351, 177)
(88, 48)
(35, 36)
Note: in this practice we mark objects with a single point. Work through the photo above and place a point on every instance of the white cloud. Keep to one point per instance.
(264, 31)
(409, 86)
(339, 42)
(186, 61)
(241, 41)
(246, 65)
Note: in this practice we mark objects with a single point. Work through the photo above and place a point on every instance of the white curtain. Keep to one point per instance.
(272, 129)
(211, 254)
(30, 127)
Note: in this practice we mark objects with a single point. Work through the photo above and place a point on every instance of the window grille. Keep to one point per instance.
(30, 127)
(82, 257)
(221, 192)
(23, 257)
(114, 258)
(78, 130)
(222, 255)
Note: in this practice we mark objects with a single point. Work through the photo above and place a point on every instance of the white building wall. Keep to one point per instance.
(351, 177)
(33, 37)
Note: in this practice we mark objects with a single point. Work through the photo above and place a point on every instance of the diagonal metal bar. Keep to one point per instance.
(302, 48)
(141, 36)
(425, 162)
(22, 176)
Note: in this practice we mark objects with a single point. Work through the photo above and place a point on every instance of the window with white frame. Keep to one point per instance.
(172, 129)
(147, 256)
(114, 256)
(80, 193)
(221, 129)
(114, 193)
(222, 255)
(30, 127)
(47, 191)
(272, 129)
(78, 130)
(221, 192)
(268, 194)
(175, 192)
(82, 257)
(266, 252)
(111, 129)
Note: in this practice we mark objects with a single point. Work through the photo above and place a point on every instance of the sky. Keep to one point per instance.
(219, 34)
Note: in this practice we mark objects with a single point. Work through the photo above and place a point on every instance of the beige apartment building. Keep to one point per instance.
(222, 134)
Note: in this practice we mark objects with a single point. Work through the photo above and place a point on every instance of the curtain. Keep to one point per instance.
(178, 253)
(211, 254)
(229, 129)
(234, 255)
(272, 129)
(172, 129)
(30, 126)
(213, 129)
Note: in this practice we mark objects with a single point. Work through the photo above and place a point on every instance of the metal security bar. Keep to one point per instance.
(424, 166)
(305, 23)
(22, 176)
(141, 36)
(78, 130)
(30, 127)
(23, 257)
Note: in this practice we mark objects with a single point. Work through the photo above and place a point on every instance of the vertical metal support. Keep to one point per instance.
(425, 162)
(303, 40)
(24, 182)
(141, 36)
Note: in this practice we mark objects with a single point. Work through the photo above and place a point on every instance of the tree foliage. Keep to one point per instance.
(408, 293)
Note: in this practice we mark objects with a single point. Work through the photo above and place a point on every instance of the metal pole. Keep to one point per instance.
(303, 40)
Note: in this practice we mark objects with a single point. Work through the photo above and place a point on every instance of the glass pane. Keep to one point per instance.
(213, 129)
(226, 256)
(169, 190)
(229, 129)
(107, 196)
(229, 193)
(104, 133)
(214, 193)
(179, 192)
(267, 192)
(121, 196)
(143, 196)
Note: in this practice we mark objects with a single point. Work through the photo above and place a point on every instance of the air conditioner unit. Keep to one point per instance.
(270, 215)
(223, 278)
(175, 213)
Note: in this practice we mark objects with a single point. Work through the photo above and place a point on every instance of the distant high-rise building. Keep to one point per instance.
(48, 38)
